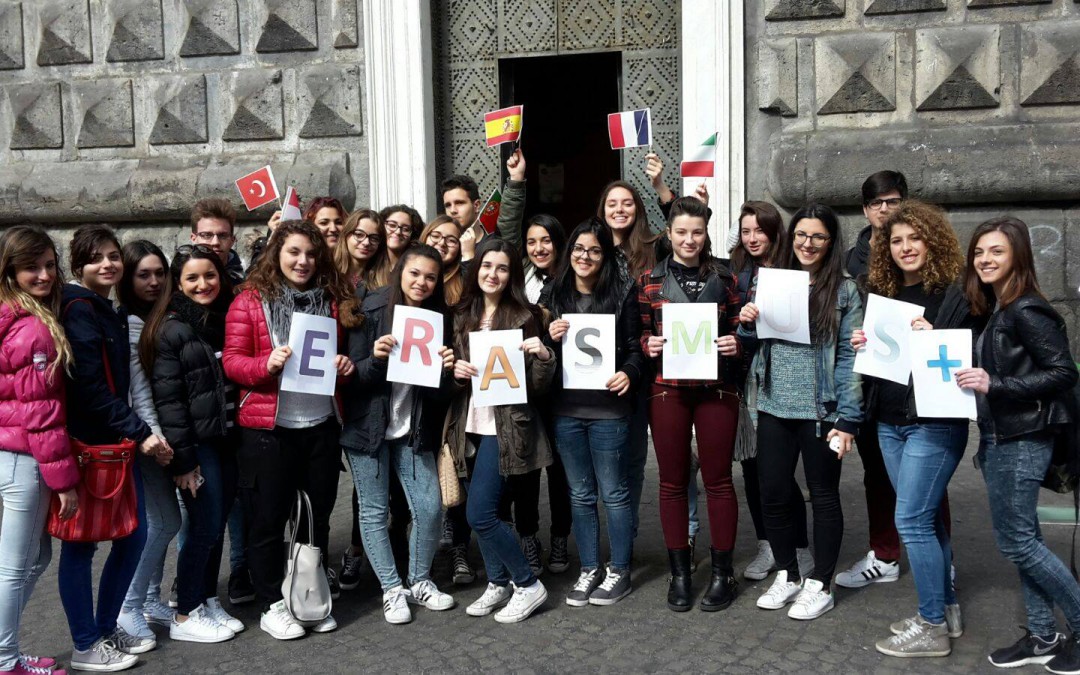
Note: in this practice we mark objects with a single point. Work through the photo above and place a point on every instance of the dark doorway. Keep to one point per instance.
(568, 157)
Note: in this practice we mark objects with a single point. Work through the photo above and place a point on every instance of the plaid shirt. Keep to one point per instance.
(651, 298)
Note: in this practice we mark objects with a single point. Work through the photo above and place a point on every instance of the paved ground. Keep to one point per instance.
(637, 635)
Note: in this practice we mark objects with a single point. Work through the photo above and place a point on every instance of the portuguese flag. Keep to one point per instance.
(489, 214)
(702, 161)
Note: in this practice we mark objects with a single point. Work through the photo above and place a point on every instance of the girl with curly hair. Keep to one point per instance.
(918, 260)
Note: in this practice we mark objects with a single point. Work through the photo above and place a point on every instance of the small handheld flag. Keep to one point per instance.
(258, 188)
(702, 160)
(630, 129)
(489, 214)
(503, 126)
(291, 209)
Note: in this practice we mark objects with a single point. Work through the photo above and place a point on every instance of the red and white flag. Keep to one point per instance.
(290, 210)
(630, 129)
(258, 188)
(702, 160)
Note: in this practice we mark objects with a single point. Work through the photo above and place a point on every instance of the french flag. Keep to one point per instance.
(630, 129)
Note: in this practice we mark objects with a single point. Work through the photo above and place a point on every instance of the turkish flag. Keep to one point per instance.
(258, 188)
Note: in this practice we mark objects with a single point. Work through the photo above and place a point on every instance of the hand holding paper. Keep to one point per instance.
(887, 327)
(312, 367)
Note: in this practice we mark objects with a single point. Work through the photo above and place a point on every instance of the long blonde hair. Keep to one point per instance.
(20, 247)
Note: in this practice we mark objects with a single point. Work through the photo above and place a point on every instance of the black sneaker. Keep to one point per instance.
(614, 587)
(446, 539)
(1067, 660)
(241, 590)
(352, 567)
(559, 556)
(463, 572)
(533, 551)
(586, 583)
(1028, 650)
(332, 581)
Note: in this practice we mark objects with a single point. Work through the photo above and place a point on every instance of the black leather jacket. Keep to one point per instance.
(1025, 350)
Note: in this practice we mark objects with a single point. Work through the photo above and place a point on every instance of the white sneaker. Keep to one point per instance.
(763, 563)
(868, 571)
(395, 605)
(102, 657)
(279, 623)
(327, 625)
(213, 608)
(131, 644)
(200, 627)
(522, 604)
(813, 601)
(134, 624)
(780, 593)
(158, 613)
(806, 562)
(426, 593)
(493, 598)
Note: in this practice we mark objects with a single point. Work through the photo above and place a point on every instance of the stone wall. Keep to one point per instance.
(976, 101)
(128, 111)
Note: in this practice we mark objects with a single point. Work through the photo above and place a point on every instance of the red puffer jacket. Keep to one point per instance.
(32, 416)
(247, 347)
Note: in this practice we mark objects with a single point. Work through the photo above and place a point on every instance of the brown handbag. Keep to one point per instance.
(449, 483)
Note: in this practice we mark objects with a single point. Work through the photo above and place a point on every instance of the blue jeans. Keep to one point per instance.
(503, 558)
(24, 550)
(420, 480)
(77, 583)
(594, 455)
(921, 460)
(162, 524)
(199, 561)
(638, 453)
(1014, 471)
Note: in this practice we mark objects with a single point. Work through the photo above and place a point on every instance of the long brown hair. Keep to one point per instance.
(639, 243)
(514, 308)
(348, 265)
(20, 247)
(826, 283)
(770, 222)
(1021, 282)
(453, 281)
(944, 260)
(133, 254)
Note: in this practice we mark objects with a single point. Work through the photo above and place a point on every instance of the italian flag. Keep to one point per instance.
(702, 161)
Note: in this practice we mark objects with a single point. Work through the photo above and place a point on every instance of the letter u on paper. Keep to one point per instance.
(783, 301)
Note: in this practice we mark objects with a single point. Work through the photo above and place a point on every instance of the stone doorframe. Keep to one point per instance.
(402, 137)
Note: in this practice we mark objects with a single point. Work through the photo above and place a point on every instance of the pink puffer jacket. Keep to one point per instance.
(32, 416)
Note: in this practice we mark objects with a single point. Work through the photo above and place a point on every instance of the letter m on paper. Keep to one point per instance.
(680, 338)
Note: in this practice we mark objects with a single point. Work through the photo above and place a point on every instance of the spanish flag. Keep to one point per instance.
(503, 126)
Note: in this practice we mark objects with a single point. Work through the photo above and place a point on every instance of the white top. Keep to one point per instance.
(481, 420)
(140, 394)
(533, 284)
(401, 405)
(298, 410)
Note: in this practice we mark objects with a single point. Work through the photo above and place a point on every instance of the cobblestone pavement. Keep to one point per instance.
(637, 635)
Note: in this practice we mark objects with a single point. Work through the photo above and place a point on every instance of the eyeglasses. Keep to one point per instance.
(436, 238)
(188, 249)
(594, 253)
(890, 203)
(816, 240)
(391, 226)
(211, 236)
(360, 236)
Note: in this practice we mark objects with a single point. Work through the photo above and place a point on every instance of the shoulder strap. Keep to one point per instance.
(104, 354)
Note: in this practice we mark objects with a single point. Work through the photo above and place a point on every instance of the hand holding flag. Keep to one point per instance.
(504, 125)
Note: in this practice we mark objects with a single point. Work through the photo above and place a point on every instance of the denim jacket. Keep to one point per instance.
(839, 387)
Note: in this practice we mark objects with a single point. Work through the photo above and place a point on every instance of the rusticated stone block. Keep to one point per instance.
(778, 83)
(780, 10)
(346, 26)
(77, 191)
(104, 108)
(255, 103)
(1005, 3)
(904, 6)
(137, 33)
(65, 32)
(11, 37)
(165, 187)
(331, 96)
(856, 73)
(37, 116)
(957, 67)
(181, 110)
(290, 26)
(213, 28)
(1050, 63)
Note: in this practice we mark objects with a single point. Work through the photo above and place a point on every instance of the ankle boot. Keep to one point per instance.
(722, 586)
(678, 595)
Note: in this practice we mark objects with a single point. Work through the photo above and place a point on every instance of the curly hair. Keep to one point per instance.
(944, 259)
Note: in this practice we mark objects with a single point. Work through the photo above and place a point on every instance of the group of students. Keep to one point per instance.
(187, 361)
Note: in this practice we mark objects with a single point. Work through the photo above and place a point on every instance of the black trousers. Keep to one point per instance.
(523, 496)
(751, 483)
(780, 442)
(273, 466)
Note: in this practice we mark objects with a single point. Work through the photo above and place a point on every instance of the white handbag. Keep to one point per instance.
(305, 589)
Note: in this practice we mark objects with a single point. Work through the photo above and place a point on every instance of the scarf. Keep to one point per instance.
(208, 322)
(313, 301)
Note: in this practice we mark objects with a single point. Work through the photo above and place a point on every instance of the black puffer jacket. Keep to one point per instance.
(188, 381)
(1025, 350)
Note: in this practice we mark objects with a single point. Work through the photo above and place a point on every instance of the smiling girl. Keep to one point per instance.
(329, 216)
(444, 235)
(364, 249)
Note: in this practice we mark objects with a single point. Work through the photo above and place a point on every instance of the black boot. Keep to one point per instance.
(678, 595)
(722, 586)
